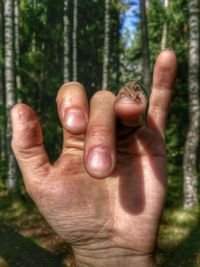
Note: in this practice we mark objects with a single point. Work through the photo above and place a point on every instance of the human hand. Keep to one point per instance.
(106, 203)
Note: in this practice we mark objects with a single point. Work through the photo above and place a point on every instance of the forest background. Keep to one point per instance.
(44, 43)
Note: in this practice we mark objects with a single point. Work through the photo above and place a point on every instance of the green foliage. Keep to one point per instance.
(176, 17)
(178, 122)
(41, 57)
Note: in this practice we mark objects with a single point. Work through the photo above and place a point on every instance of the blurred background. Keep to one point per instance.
(102, 44)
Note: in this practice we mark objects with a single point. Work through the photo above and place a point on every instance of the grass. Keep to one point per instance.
(27, 241)
(25, 238)
(179, 239)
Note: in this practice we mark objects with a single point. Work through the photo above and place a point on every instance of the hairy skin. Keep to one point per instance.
(110, 219)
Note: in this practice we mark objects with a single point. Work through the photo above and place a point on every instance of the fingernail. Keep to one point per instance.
(75, 120)
(126, 100)
(99, 160)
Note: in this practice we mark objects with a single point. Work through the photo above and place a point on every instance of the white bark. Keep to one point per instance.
(74, 38)
(34, 34)
(66, 41)
(106, 46)
(9, 86)
(17, 47)
(2, 119)
(164, 32)
(145, 46)
(192, 141)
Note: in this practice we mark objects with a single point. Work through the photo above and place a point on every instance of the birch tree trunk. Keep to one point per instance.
(34, 33)
(164, 32)
(2, 114)
(106, 45)
(74, 37)
(66, 41)
(11, 180)
(17, 48)
(145, 46)
(192, 141)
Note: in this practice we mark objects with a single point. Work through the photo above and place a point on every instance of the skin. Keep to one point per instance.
(107, 204)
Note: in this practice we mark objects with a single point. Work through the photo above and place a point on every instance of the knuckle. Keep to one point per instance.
(99, 134)
(102, 95)
(68, 86)
(27, 134)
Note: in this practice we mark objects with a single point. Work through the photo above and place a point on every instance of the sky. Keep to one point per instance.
(130, 19)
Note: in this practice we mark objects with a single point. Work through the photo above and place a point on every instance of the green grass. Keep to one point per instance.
(25, 238)
(179, 239)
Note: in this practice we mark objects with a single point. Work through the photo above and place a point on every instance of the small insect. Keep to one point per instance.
(132, 90)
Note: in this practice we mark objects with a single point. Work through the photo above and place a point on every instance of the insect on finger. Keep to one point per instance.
(135, 91)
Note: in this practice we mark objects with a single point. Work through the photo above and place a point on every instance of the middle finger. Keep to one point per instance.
(100, 141)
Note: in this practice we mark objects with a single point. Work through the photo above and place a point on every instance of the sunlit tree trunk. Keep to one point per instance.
(74, 37)
(2, 113)
(66, 41)
(192, 141)
(145, 46)
(106, 45)
(17, 48)
(34, 34)
(164, 32)
(11, 180)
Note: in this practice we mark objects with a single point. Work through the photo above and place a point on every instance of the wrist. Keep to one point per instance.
(113, 258)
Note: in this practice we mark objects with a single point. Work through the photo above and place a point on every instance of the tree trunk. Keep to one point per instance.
(145, 46)
(2, 99)
(11, 180)
(34, 33)
(192, 141)
(17, 48)
(164, 32)
(106, 46)
(74, 37)
(66, 41)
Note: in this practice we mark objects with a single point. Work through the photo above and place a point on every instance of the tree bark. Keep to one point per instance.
(34, 33)
(192, 141)
(164, 32)
(66, 41)
(74, 37)
(17, 48)
(106, 46)
(2, 99)
(11, 180)
(145, 46)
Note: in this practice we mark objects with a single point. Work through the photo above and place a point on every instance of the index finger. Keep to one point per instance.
(163, 82)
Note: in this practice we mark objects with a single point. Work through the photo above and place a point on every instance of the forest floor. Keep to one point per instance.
(27, 241)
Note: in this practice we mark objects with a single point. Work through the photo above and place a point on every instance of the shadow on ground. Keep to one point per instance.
(17, 250)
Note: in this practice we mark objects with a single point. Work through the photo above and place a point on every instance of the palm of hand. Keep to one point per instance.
(121, 210)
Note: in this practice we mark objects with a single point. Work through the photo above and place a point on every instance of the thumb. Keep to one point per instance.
(27, 142)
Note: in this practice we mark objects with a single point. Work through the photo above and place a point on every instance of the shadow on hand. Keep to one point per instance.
(20, 251)
(133, 179)
(131, 190)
